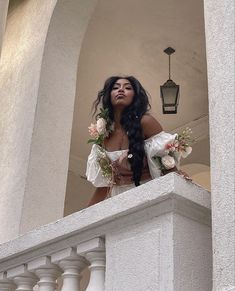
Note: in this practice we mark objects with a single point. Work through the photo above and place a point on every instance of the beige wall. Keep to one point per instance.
(128, 37)
(3, 15)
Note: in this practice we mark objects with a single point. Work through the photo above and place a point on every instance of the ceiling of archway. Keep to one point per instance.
(128, 37)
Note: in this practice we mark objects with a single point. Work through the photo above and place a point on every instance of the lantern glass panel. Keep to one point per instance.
(169, 95)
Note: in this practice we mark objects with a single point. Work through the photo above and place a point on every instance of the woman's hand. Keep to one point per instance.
(184, 175)
(99, 195)
(180, 172)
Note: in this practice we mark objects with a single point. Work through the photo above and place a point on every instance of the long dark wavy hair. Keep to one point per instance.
(130, 120)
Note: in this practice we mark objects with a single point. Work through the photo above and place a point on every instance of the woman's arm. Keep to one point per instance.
(99, 195)
(150, 126)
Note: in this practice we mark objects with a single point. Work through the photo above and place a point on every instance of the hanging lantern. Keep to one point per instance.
(169, 90)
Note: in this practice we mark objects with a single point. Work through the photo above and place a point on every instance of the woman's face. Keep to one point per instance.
(122, 93)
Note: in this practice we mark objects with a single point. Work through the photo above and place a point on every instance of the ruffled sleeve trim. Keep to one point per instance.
(155, 146)
(93, 170)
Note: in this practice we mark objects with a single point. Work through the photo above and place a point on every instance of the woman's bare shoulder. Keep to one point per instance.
(150, 126)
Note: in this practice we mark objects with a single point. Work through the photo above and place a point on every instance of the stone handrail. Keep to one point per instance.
(154, 237)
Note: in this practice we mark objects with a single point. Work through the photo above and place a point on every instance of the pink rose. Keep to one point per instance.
(93, 130)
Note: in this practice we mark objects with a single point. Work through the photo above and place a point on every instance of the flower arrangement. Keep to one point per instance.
(178, 148)
(98, 132)
(101, 129)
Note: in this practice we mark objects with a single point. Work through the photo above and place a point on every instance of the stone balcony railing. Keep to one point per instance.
(156, 237)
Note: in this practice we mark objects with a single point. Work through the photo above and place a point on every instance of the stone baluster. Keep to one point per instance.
(6, 284)
(97, 269)
(46, 272)
(23, 279)
(72, 264)
(94, 252)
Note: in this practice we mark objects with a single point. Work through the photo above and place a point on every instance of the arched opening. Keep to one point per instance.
(40, 57)
(130, 39)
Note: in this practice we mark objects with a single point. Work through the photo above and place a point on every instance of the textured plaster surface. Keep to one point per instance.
(20, 65)
(219, 20)
(3, 15)
(48, 164)
(137, 250)
(133, 257)
(192, 247)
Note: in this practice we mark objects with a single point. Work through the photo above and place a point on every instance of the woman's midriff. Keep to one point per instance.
(122, 174)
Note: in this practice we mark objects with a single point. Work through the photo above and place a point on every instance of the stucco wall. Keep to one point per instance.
(219, 19)
(3, 15)
(20, 65)
(48, 165)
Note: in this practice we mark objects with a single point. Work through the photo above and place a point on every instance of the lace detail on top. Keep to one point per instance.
(122, 174)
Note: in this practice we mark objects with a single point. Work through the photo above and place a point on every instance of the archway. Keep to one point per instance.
(134, 46)
(53, 120)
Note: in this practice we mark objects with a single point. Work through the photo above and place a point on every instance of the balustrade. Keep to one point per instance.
(6, 284)
(43, 272)
(95, 254)
(157, 237)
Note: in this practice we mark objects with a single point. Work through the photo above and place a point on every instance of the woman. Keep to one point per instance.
(135, 139)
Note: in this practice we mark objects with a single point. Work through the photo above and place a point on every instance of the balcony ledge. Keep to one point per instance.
(168, 193)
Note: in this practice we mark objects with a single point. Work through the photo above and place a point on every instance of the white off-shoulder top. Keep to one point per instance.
(154, 145)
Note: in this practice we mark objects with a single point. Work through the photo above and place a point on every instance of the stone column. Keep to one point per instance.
(219, 24)
(38, 73)
(50, 144)
(164, 247)
(72, 266)
(20, 65)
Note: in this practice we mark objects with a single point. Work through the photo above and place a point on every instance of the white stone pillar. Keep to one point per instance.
(46, 272)
(219, 24)
(97, 269)
(24, 283)
(23, 279)
(72, 265)
(94, 251)
(50, 144)
(6, 284)
(164, 247)
(20, 66)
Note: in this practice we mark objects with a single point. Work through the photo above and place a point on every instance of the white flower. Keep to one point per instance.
(101, 125)
(186, 152)
(168, 162)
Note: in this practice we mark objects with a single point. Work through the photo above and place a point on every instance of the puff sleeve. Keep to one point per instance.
(155, 145)
(93, 170)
